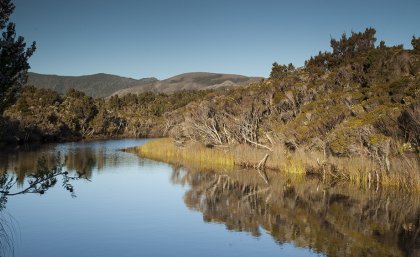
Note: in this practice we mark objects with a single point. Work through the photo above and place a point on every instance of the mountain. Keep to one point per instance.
(103, 85)
(192, 81)
(96, 85)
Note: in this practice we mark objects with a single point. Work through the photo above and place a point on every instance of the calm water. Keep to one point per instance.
(126, 206)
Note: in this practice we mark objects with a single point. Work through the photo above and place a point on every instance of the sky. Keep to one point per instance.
(156, 38)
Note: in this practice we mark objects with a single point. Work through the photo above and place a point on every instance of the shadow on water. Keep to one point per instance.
(47, 173)
(336, 220)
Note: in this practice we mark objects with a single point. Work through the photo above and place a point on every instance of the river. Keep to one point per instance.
(114, 203)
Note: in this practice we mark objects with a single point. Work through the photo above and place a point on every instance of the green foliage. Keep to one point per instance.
(279, 71)
(78, 110)
(356, 43)
(42, 114)
(409, 123)
(13, 57)
(343, 50)
(415, 42)
(341, 140)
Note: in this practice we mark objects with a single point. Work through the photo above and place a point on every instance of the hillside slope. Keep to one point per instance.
(192, 81)
(104, 85)
(96, 85)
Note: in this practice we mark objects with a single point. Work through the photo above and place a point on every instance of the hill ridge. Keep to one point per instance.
(103, 84)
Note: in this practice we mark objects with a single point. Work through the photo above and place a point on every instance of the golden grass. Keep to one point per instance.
(357, 170)
(193, 155)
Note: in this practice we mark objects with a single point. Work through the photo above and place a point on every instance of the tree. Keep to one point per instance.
(77, 111)
(279, 71)
(356, 43)
(415, 42)
(343, 49)
(13, 57)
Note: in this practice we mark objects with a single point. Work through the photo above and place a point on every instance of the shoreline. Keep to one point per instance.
(6, 145)
(356, 170)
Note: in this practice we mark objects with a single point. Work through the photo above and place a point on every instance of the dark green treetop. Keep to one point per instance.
(415, 42)
(13, 57)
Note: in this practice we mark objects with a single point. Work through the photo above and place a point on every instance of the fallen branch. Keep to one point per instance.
(257, 144)
(269, 138)
(261, 168)
(261, 164)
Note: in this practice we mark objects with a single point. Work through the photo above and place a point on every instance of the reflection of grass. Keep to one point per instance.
(336, 219)
(358, 170)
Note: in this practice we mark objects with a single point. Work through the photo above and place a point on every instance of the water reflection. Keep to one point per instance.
(47, 173)
(36, 169)
(337, 220)
(82, 158)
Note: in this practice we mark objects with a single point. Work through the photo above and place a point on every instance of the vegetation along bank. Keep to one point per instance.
(352, 113)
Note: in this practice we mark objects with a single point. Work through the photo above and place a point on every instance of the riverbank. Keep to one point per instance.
(13, 142)
(403, 173)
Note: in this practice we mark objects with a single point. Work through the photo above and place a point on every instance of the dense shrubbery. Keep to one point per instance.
(358, 100)
(44, 115)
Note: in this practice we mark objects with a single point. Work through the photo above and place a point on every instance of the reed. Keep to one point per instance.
(404, 174)
(193, 155)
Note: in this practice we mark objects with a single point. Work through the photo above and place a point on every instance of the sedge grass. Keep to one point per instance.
(193, 155)
(356, 170)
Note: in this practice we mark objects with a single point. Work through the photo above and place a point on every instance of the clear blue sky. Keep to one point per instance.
(158, 38)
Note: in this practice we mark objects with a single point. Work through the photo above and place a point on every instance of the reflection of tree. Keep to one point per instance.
(37, 182)
(44, 177)
(23, 162)
(82, 160)
(337, 221)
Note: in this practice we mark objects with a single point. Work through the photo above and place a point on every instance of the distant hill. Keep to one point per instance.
(190, 81)
(103, 85)
(96, 85)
